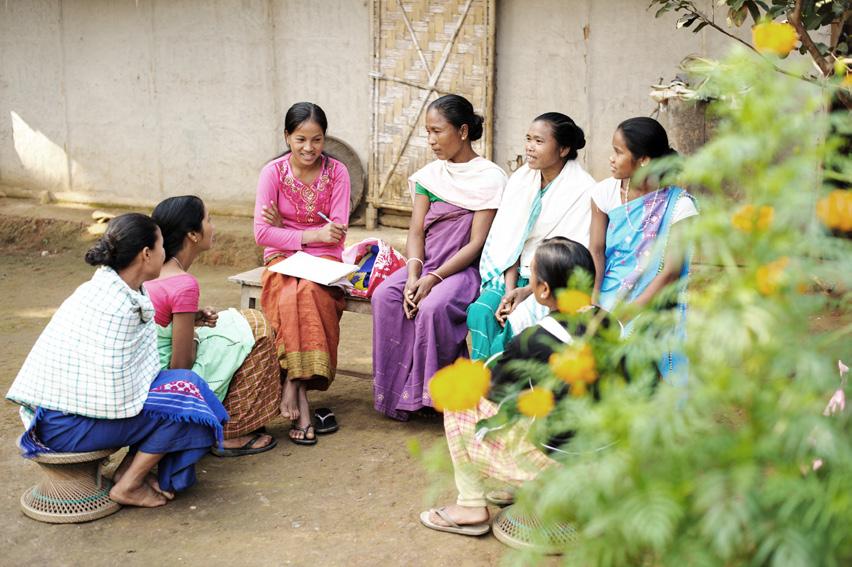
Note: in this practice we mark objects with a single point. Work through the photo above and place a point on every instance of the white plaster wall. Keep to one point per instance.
(125, 101)
(129, 102)
(593, 60)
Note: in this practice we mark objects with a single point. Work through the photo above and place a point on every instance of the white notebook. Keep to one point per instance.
(319, 270)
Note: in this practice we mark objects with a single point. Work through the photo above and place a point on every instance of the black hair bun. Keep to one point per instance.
(475, 127)
(102, 253)
(579, 138)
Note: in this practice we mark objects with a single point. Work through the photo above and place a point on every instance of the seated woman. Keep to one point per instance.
(546, 197)
(419, 313)
(507, 454)
(634, 234)
(92, 381)
(233, 350)
(303, 204)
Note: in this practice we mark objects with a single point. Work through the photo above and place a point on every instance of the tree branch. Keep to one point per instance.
(795, 19)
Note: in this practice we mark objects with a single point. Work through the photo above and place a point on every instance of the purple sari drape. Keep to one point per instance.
(408, 352)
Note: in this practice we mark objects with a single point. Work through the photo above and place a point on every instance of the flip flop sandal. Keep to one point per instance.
(453, 528)
(247, 449)
(325, 421)
(304, 440)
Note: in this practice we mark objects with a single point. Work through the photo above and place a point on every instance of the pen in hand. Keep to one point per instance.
(338, 230)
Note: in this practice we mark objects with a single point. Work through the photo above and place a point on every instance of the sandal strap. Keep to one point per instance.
(442, 513)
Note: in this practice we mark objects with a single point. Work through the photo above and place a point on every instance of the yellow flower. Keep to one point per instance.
(847, 81)
(774, 37)
(575, 365)
(748, 219)
(835, 210)
(769, 276)
(460, 385)
(537, 402)
(570, 300)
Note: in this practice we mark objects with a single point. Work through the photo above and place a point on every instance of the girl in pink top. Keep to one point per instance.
(303, 204)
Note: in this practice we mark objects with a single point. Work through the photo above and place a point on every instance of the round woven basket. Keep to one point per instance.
(71, 489)
(525, 531)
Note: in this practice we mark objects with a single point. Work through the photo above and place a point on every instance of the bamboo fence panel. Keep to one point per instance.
(423, 49)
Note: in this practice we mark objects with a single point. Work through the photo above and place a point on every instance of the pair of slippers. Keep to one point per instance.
(248, 448)
(324, 423)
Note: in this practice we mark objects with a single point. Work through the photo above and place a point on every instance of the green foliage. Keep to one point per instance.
(719, 471)
(815, 15)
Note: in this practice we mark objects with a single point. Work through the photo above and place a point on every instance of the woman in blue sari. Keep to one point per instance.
(634, 234)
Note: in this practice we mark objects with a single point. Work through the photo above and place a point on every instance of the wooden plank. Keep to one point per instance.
(249, 282)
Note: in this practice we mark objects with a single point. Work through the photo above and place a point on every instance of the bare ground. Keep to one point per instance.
(351, 500)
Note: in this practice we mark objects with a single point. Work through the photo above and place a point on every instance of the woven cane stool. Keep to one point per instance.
(521, 530)
(71, 489)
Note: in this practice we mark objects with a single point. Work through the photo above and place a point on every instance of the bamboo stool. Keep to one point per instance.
(520, 530)
(71, 489)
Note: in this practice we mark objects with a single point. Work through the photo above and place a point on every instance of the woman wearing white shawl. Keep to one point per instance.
(419, 313)
(546, 197)
(92, 381)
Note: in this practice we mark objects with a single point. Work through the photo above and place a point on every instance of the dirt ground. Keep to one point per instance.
(353, 499)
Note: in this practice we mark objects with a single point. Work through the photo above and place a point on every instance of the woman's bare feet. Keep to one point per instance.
(142, 495)
(304, 426)
(290, 400)
(461, 515)
(150, 478)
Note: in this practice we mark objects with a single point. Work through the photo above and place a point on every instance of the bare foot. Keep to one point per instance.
(290, 400)
(143, 496)
(461, 515)
(151, 481)
(262, 441)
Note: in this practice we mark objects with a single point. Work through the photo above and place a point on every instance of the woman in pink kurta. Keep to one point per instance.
(293, 193)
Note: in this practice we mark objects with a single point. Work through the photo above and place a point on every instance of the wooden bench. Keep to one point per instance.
(250, 293)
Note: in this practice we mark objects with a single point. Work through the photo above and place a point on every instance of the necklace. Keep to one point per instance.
(178, 263)
(625, 191)
(645, 222)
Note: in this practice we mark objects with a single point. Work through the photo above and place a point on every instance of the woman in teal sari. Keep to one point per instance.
(546, 197)
(634, 234)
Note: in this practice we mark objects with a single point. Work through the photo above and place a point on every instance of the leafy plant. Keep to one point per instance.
(722, 471)
(806, 16)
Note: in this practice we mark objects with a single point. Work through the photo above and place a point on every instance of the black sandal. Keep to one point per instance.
(247, 449)
(304, 440)
(325, 421)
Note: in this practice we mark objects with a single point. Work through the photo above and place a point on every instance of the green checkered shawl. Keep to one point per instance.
(97, 356)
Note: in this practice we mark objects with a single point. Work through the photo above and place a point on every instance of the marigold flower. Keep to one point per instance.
(571, 300)
(769, 276)
(575, 365)
(835, 210)
(537, 402)
(748, 218)
(460, 385)
(774, 37)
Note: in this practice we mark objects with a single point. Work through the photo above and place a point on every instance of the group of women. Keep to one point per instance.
(154, 371)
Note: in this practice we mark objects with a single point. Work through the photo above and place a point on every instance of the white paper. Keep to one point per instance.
(319, 270)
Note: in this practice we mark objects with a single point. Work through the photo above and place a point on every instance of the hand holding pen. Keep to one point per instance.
(332, 232)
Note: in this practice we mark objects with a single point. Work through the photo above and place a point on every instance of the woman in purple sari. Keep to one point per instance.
(419, 314)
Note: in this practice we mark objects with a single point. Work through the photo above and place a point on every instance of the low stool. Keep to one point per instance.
(522, 530)
(71, 489)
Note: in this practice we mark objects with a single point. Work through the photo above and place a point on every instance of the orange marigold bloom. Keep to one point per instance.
(774, 37)
(748, 218)
(835, 210)
(575, 365)
(571, 300)
(537, 402)
(769, 276)
(460, 385)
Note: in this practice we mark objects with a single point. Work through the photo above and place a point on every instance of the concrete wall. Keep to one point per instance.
(124, 101)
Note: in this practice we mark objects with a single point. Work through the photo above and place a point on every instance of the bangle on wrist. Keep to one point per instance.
(415, 259)
(436, 274)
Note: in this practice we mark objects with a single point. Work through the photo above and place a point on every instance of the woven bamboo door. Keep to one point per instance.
(423, 49)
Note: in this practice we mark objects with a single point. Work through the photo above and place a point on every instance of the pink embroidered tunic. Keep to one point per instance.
(299, 205)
